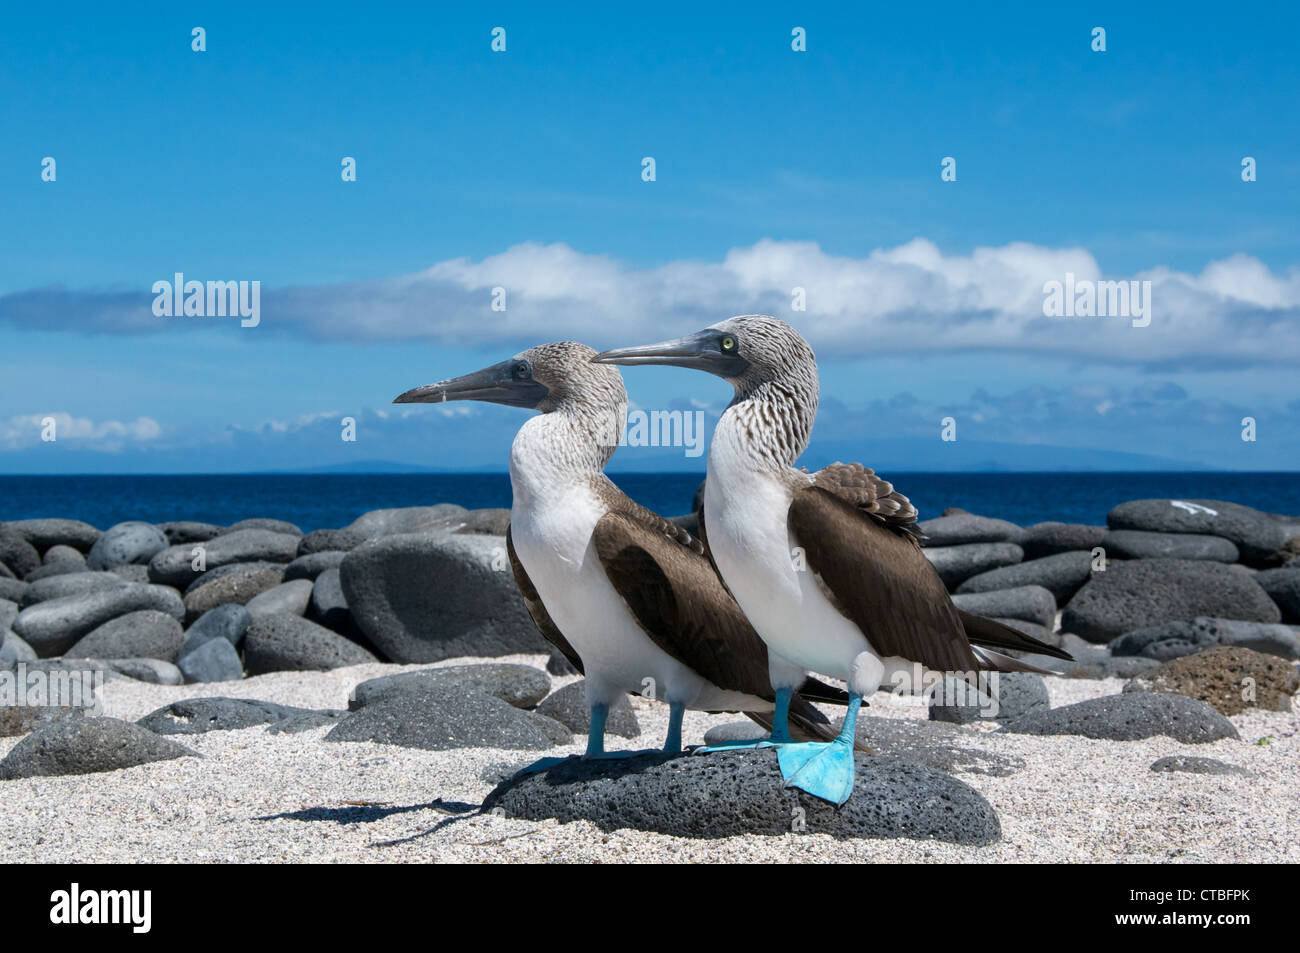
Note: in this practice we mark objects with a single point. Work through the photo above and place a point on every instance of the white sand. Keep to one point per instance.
(257, 796)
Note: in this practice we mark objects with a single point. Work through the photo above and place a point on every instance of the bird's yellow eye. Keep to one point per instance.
(728, 343)
(522, 370)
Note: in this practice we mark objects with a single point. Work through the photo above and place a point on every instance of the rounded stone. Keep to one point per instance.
(1062, 575)
(739, 793)
(955, 564)
(54, 626)
(1048, 539)
(290, 643)
(147, 633)
(129, 543)
(174, 566)
(1138, 544)
(87, 746)
(1257, 535)
(1130, 716)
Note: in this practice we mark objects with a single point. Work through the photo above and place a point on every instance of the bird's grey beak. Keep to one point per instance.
(498, 384)
(701, 351)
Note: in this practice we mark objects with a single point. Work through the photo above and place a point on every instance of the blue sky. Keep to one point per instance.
(523, 169)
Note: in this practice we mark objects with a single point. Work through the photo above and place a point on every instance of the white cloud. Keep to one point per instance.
(911, 299)
(28, 429)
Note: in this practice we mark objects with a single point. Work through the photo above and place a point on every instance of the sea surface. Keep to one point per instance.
(317, 501)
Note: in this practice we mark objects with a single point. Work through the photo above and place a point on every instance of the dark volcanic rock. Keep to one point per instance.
(261, 522)
(442, 517)
(1048, 539)
(1062, 575)
(1129, 717)
(155, 671)
(69, 584)
(236, 584)
(313, 564)
(187, 531)
(87, 746)
(329, 605)
(229, 622)
(557, 664)
(288, 597)
(15, 552)
(487, 522)
(174, 566)
(215, 660)
(330, 540)
(1031, 603)
(45, 533)
(60, 555)
(1017, 693)
(1283, 587)
(54, 626)
(289, 643)
(1136, 544)
(14, 650)
(1176, 639)
(519, 685)
(1231, 679)
(194, 716)
(956, 563)
(15, 590)
(742, 792)
(429, 596)
(568, 706)
(1145, 592)
(127, 543)
(469, 720)
(146, 633)
(969, 528)
(1257, 535)
(1194, 765)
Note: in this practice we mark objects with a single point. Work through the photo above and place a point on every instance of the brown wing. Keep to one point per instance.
(868, 492)
(679, 601)
(881, 581)
(541, 618)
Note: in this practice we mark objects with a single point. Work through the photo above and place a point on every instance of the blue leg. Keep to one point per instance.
(595, 742)
(673, 741)
(823, 769)
(780, 729)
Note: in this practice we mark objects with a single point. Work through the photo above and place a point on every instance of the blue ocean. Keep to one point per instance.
(317, 501)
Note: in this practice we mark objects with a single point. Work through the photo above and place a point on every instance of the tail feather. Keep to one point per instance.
(985, 632)
(997, 662)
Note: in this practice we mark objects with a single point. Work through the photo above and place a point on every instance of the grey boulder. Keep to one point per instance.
(519, 685)
(16, 553)
(1146, 592)
(568, 706)
(54, 626)
(1181, 763)
(1139, 544)
(957, 563)
(1048, 539)
(312, 565)
(87, 746)
(1129, 717)
(999, 697)
(290, 643)
(46, 533)
(968, 528)
(1062, 575)
(194, 716)
(288, 597)
(434, 723)
(430, 596)
(1176, 639)
(1031, 603)
(215, 660)
(1257, 535)
(188, 531)
(70, 584)
(146, 633)
(129, 543)
(262, 522)
(237, 584)
(229, 622)
(737, 793)
(174, 566)
(1283, 587)
(442, 517)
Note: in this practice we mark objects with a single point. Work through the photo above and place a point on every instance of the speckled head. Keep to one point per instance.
(548, 377)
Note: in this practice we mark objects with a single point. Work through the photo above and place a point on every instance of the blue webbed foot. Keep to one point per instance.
(741, 744)
(824, 770)
(780, 731)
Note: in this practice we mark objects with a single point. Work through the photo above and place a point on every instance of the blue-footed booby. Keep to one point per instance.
(826, 565)
(626, 595)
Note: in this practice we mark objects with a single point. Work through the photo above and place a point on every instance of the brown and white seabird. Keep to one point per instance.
(827, 565)
(627, 596)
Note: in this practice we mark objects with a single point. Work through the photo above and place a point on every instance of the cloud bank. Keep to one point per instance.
(909, 300)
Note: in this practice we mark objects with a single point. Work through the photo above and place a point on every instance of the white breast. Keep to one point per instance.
(746, 518)
(552, 520)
